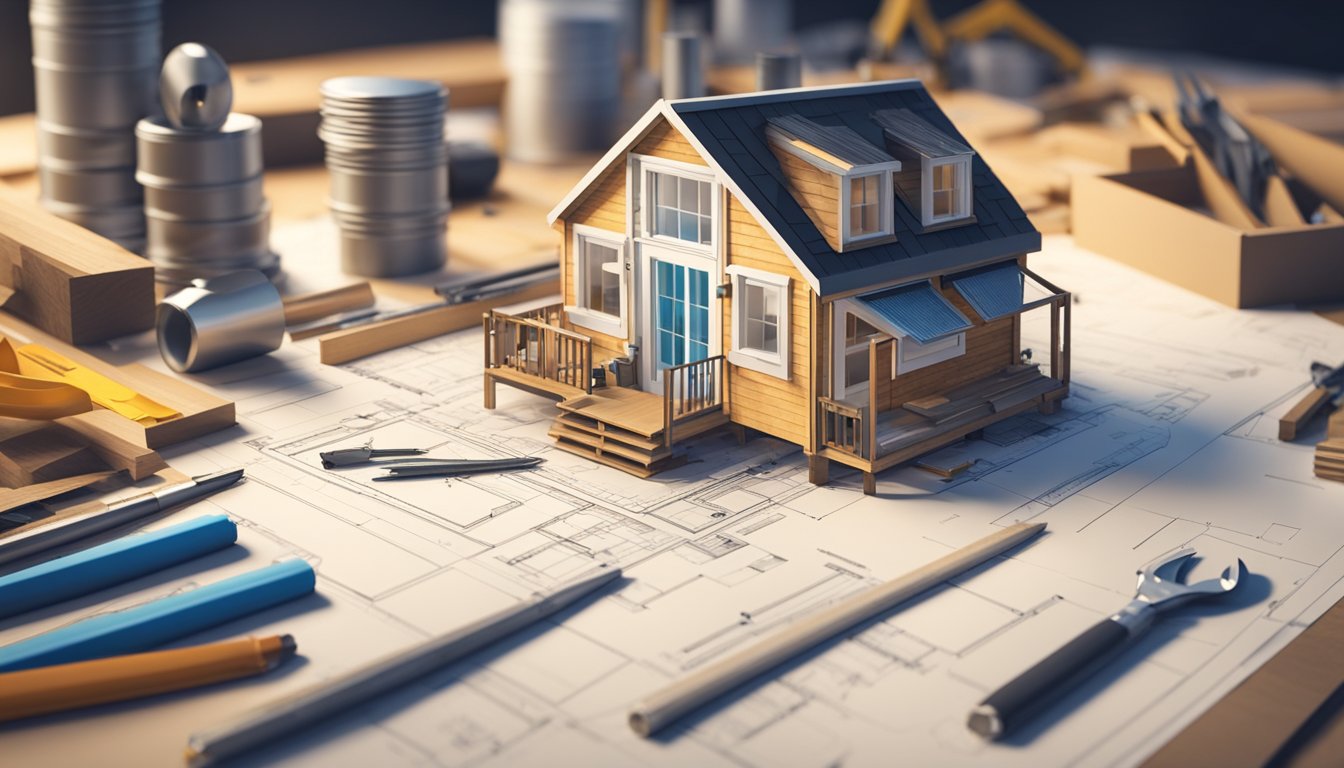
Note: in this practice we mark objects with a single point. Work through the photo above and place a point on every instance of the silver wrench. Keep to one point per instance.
(1159, 590)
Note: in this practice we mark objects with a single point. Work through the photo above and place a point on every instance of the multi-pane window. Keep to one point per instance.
(945, 190)
(865, 211)
(857, 334)
(682, 314)
(760, 316)
(682, 208)
(602, 277)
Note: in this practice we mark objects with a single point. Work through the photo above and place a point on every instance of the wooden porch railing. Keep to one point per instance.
(527, 344)
(691, 389)
(844, 427)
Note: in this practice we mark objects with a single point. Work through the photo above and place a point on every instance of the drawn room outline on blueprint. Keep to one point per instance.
(1170, 391)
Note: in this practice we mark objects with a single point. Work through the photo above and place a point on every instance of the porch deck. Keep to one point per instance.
(925, 425)
(920, 420)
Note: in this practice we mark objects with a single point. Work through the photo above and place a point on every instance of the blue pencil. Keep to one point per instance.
(150, 625)
(115, 562)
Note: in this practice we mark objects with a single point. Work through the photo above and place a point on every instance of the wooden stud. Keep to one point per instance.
(314, 306)
(869, 484)
(818, 469)
(75, 285)
(353, 343)
(1302, 412)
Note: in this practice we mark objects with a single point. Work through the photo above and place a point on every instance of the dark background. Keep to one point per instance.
(1296, 33)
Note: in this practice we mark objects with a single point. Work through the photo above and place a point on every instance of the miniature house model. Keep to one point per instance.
(835, 267)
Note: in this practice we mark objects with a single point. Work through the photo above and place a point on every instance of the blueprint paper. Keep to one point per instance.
(1168, 439)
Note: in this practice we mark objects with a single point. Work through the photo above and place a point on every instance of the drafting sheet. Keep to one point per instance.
(1167, 440)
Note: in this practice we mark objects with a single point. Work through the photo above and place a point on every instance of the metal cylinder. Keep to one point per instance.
(683, 66)
(95, 65)
(219, 321)
(388, 169)
(775, 71)
(743, 27)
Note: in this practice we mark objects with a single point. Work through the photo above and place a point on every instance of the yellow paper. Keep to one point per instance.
(24, 397)
(41, 363)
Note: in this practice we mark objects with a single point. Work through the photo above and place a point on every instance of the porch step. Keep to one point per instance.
(609, 443)
(636, 468)
(585, 423)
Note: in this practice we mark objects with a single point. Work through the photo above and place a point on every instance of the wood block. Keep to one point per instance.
(202, 412)
(79, 287)
(111, 451)
(11, 498)
(46, 453)
(1302, 412)
(353, 343)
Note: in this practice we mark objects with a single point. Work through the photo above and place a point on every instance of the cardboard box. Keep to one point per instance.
(1154, 221)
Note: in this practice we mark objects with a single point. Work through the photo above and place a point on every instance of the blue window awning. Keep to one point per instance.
(1000, 291)
(915, 310)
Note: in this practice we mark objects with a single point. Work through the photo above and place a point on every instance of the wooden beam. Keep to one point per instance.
(75, 285)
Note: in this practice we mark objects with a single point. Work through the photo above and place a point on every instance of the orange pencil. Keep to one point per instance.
(69, 686)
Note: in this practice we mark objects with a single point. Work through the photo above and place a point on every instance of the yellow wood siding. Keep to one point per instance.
(758, 400)
(989, 348)
(604, 206)
(817, 192)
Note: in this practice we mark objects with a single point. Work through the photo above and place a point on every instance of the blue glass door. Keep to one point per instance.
(681, 313)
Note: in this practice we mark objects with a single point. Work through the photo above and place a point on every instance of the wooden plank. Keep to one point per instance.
(1302, 412)
(1252, 723)
(11, 498)
(315, 306)
(75, 285)
(202, 412)
(354, 343)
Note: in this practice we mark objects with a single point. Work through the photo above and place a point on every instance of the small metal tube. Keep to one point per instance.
(683, 66)
(219, 321)
(778, 70)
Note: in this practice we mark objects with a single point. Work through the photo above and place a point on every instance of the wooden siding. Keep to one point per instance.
(989, 348)
(604, 206)
(758, 400)
(817, 192)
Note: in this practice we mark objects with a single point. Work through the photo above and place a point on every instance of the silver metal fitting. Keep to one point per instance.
(220, 320)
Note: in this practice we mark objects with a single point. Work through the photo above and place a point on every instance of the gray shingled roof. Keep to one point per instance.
(732, 131)
(838, 140)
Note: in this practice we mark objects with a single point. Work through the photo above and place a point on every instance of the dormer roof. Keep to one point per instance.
(904, 127)
(840, 145)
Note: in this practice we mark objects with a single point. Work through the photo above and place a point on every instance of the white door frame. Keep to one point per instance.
(647, 252)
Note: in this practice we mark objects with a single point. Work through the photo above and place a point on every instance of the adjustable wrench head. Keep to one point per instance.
(1160, 583)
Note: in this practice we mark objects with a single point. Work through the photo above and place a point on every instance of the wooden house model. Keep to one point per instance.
(835, 267)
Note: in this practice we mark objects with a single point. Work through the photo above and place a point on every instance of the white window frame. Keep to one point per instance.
(649, 165)
(961, 208)
(774, 364)
(885, 205)
(579, 313)
(911, 355)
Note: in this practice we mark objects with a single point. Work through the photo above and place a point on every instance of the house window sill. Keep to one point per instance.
(596, 321)
(760, 362)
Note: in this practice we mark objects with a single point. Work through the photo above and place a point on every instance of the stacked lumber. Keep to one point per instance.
(1329, 464)
(1004, 389)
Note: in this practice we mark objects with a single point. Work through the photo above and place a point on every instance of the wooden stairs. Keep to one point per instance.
(623, 428)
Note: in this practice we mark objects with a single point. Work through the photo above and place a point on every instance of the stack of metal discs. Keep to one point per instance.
(201, 169)
(204, 205)
(96, 64)
(564, 65)
(388, 166)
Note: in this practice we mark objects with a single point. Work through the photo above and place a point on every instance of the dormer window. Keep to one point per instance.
(865, 201)
(842, 181)
(949, 190)
(935, 179)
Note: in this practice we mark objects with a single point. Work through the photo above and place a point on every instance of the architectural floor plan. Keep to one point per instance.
(1169, 439)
